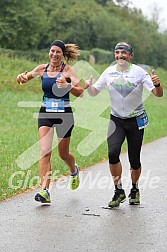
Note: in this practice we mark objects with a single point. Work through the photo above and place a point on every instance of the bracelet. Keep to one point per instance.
(158, 85)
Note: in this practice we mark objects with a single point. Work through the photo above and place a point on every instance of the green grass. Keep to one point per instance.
(18, 128)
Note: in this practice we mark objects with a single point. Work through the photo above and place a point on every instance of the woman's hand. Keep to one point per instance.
(22, 78)
(62, 82)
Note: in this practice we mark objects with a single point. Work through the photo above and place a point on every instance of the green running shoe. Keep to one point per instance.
(74, 179)
(119, 197)
(43, 196)
(134, 197)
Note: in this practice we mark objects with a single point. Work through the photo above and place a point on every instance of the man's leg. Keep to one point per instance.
(134, 139)
(115, 140)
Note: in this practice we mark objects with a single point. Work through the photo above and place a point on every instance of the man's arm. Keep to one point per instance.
(92, 91)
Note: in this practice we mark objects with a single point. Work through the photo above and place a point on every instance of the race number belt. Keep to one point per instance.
(142, 120)
(54, 105)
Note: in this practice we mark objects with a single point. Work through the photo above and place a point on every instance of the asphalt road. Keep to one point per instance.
(76, 221)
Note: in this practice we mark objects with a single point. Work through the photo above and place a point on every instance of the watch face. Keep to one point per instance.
(68, 80)
(158, 85)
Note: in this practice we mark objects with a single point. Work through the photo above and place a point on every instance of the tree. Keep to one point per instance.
(29, 25)
(21, 24)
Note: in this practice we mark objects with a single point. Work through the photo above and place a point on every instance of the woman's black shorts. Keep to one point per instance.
(63, 122)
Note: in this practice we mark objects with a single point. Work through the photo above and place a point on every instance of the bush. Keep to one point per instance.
(84, 55)
(102, 56)
(36, 56)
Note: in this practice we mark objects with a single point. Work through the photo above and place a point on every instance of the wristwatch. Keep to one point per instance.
(68, 80)
(158, 85)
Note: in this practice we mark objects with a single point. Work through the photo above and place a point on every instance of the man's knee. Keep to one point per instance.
(113, 158)
(135, 164)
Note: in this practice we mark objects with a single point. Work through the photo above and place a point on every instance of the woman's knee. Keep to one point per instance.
(45, 152)
(64, 156)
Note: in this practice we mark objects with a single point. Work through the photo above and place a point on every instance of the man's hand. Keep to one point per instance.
(155, 78)
(87, 83)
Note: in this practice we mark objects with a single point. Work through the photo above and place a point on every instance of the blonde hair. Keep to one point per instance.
(71, 52)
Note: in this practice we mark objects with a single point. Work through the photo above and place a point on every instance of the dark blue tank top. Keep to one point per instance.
(50, 88)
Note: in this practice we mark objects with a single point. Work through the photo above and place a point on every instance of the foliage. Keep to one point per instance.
(37, 56)
(84, 55)
(21, 24)
(31, 25)
(102, 56)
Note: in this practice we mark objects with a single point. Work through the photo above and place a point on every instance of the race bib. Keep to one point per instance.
(142, 120)
(54, 105)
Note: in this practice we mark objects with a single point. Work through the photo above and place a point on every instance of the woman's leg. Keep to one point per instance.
(45, 141)
(65, 155)
(68, 158)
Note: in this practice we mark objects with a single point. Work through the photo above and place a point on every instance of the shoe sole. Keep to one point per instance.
(134, 203)
(122, 201)
(132, 200)
(78, 178)
(38, 199)
(76, 186)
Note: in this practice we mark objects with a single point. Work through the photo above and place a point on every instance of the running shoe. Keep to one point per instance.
(74, 179)
(43, 196)
(119, 197)
(134, 197)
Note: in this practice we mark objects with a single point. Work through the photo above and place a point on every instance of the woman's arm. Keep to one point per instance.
(75, 85)
(26, 76)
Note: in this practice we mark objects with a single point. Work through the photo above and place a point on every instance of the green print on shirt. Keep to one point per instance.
(122, 83)
(134, 113)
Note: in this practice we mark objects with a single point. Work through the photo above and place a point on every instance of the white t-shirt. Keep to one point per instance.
(125, 89)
